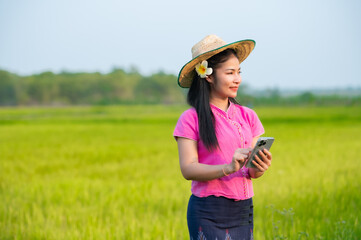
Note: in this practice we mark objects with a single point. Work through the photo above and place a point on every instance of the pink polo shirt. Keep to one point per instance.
(234, 129)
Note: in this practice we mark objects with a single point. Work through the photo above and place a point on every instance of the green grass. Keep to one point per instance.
(113, 173)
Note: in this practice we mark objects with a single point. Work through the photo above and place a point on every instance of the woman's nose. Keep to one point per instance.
(238, 79)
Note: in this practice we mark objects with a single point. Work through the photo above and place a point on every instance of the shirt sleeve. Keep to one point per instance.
(187, 125)
(256, 125)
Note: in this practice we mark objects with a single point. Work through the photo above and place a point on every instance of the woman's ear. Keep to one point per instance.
(210, 78)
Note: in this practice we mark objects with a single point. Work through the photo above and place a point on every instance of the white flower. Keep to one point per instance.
(203, 70)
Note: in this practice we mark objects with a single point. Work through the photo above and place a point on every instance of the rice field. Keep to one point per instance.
(112, 173)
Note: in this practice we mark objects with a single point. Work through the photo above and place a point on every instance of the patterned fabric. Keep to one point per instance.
(227, 237)
(235, 128)
(220, 218)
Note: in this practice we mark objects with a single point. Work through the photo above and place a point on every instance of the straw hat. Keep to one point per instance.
(208, 47)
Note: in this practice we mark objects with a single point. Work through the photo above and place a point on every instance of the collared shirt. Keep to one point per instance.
(235, 128)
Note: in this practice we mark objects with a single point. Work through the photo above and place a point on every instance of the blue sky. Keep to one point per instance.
(299, 44)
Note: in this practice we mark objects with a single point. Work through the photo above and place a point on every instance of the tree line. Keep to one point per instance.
(128, 87)
(116, 87)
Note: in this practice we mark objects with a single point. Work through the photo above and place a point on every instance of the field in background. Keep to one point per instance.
(113, 173)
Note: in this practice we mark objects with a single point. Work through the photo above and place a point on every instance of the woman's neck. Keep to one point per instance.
(220, 103)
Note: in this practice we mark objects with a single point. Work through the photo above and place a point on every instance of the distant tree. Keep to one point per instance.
(7, 88)
(307, 97)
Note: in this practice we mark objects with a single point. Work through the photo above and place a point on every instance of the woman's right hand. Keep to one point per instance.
(239, 159)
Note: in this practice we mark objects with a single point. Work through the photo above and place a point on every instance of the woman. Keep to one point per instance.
(214, 139)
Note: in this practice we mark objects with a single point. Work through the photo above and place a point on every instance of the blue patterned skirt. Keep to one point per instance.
(220, 218)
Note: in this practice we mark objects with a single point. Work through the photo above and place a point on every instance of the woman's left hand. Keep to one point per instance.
(263, 163)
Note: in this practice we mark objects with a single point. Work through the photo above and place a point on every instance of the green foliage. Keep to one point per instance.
(112, 172)
(274, 98)
(65, 88)
(8, 83)
(121, 87)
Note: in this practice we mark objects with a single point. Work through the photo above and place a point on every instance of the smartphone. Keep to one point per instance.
(262, 143)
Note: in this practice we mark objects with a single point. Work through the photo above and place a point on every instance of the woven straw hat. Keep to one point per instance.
(208, 47)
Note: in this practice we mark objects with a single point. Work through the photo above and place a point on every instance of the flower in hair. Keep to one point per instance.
(203, 70)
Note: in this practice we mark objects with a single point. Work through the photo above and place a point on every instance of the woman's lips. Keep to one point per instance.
(234, 89)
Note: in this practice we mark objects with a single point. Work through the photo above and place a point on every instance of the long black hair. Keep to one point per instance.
(198, 97)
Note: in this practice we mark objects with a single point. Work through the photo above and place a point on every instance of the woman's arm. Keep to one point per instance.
(261, 164)
(193, 170)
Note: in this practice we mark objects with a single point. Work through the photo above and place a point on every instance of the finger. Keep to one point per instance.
(240, 155)
(262, 154)
(268, 153)
(259, 167)
(248, 149)
(267, 163)
(241, 160)
(245, 156)
(265, 158)
(244, 152)
(261, 163)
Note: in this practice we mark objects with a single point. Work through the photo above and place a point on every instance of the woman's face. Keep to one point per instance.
(226, 79)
